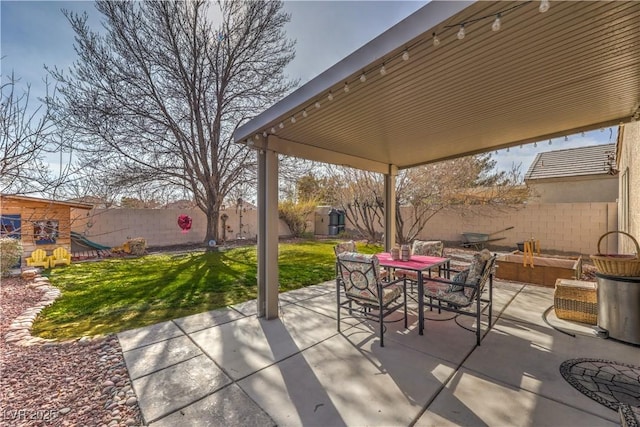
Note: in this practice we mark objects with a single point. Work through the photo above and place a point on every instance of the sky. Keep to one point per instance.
(36, 33)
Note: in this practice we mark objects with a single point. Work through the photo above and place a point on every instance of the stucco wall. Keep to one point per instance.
(629, 162)
(601, 189)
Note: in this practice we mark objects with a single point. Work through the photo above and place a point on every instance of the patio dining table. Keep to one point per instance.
(419, 264)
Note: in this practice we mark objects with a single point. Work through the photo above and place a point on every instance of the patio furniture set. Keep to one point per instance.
(375, 286)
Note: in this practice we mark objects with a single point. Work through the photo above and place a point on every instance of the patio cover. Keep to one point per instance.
(573, 68)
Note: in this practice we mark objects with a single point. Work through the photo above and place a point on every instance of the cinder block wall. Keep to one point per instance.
(112, 227)
(565, 227)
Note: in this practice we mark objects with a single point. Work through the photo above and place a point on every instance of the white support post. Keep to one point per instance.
(390, 208)
(271, 225)
(262, 229)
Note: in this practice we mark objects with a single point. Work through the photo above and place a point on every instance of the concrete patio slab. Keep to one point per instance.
(207, 319)
(529, 303)
(170, 389)
(250, 344)
(471, 399)
(298, 370)
(528, 356)
(148, 335)
(146, 360)
(302, 294)
(348, 380)
(229, 407)
(248, 308)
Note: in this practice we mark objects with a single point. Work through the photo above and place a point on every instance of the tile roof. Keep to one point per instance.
(579, 161)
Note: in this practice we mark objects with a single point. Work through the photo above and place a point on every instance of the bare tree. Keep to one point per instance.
(156, 97)
(460, 185)
(24, 138)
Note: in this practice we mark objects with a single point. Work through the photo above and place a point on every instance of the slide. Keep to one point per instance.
(81, 241)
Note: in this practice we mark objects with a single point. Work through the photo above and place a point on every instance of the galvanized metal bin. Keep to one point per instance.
(619, 307)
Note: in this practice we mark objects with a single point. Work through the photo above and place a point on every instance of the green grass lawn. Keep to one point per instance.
(119, 294)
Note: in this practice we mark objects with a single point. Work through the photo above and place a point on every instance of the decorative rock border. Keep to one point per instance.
(20, 329)
(121, 404)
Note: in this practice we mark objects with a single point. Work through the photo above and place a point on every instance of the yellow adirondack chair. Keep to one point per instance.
(38, 258)
(60, 256)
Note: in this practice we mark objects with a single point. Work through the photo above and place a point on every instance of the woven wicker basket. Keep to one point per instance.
(576, 300)
(618, 265)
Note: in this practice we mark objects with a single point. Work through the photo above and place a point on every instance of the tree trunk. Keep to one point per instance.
(213, 214)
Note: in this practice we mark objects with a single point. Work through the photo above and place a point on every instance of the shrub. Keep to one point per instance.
(10, 253)
(295, 215)
(136, 246)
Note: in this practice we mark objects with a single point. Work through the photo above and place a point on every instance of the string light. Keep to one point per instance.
(264, 134)
(496, 24)
(405, 55)
(535, 144)
(566, 138)
(383, 70)
(507, 149)
(317, 104)
(363, 78)
(461, 32)
(330, 96)
(281, 125)
(550, 142)
(436, 40)
(273, 130)
(293, 119)
(304, 113)
(544, 6)
(346, 87)
(257, 137)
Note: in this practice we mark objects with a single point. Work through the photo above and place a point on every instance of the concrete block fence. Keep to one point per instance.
(562, 227)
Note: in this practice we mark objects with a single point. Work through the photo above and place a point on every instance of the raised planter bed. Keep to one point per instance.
(546, 269)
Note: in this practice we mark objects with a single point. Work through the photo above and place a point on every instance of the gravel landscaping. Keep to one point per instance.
(77, 383)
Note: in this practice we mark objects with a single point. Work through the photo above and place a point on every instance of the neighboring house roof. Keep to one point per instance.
(57, 202)
(572, 162)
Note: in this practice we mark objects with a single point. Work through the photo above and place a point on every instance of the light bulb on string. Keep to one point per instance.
(566, 138)
(535, 144)
(257, 137)
(264, 134)
(281, 125)
(550, 142)
(383, 70)
(293, 119)
(405, 55)
(507, 149)
(544, 6)
(317, 104)
(521, 146)
(461, 32)
(304, 113)
(363, 78)
(497, 24)
(436, 40)
(346, 87)
(330, 96)
(273, 130)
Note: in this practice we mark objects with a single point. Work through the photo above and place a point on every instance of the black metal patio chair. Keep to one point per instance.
(358, 275)
(464, 293)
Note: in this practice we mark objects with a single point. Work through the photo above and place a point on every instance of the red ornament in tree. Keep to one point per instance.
(184, 222)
